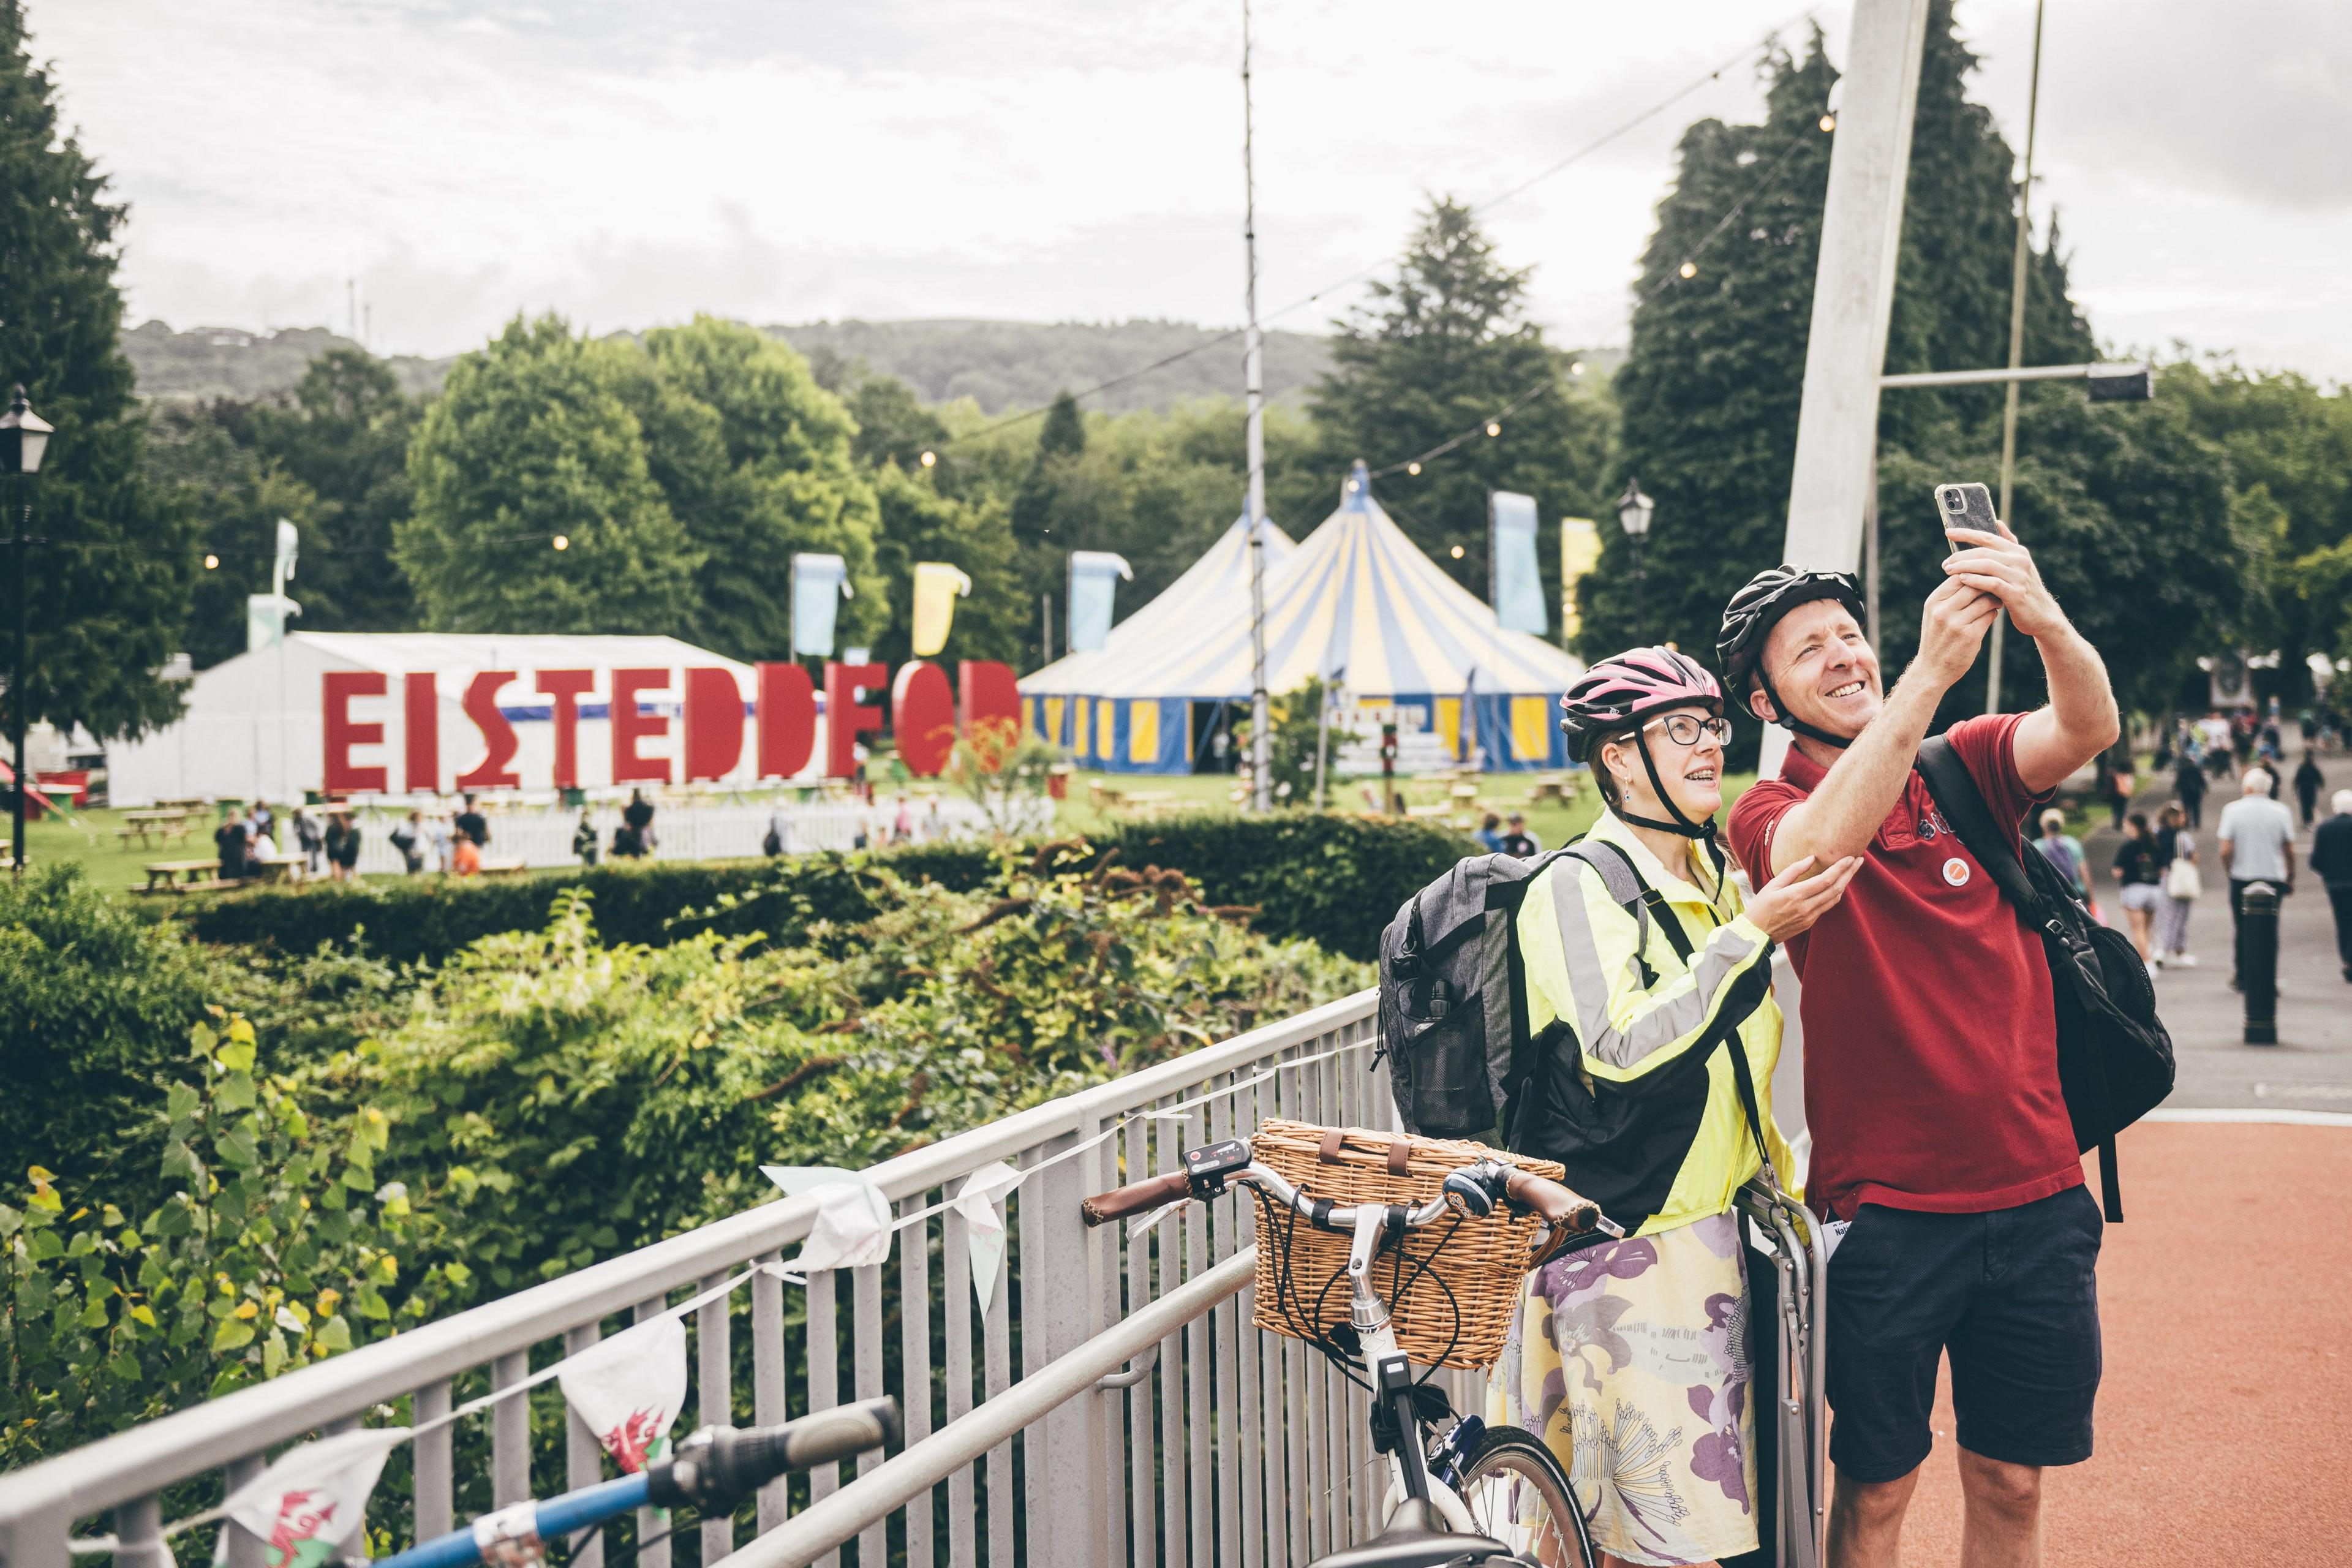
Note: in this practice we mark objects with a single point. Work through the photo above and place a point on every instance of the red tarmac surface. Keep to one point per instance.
(2225, 1416)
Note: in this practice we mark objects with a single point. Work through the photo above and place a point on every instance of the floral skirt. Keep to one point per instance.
(1630, 1359)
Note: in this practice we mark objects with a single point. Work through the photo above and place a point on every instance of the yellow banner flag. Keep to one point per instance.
(1580, 552)
(938, 587)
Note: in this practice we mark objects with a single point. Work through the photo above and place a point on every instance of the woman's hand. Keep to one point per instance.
(1790, 902)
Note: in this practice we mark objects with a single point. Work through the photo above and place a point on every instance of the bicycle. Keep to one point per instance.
(1475, 1495)
(715, 1467)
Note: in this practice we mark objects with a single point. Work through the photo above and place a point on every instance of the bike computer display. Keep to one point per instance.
(1210, 1164)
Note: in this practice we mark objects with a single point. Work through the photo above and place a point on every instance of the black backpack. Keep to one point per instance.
(2115, 1058)
(1453, 1015)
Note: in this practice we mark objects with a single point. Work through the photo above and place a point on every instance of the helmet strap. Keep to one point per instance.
(1782, 716)
(1681, 824)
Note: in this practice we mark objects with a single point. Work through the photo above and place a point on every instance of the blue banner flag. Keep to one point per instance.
(819, 584)
(1094, 584)
(1518, 580)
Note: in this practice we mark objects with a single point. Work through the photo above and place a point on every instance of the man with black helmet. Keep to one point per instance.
(1943, 1153)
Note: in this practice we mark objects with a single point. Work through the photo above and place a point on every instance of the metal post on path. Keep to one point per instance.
(2258, 952)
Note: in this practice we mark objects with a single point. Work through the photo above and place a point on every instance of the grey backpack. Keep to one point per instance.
(1453, 1015)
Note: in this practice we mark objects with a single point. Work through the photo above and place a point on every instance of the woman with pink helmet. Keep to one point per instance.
(1653, 1037)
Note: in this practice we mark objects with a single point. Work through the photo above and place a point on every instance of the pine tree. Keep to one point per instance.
(1711, 386)
(1441, 349)
(1062, 438)
(108, 591)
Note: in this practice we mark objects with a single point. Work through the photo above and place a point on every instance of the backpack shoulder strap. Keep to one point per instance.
(1627, 886)
(1964, 810)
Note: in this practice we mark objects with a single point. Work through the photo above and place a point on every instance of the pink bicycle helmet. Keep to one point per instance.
(1615, 695)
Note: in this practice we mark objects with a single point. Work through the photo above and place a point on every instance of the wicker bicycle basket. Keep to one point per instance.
(1453, 1311)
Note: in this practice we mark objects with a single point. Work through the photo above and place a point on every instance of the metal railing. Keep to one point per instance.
(1220, 1444)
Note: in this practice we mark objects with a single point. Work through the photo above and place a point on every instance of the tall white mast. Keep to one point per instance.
(2017, 280)
(1253, 372)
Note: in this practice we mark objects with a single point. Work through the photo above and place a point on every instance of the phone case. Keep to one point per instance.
(1966, 506)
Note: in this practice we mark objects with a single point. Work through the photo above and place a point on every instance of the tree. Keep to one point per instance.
(1061, 439)
(112, 584)
(2126, 507)
(1441, 348)
(920, 523)
(756, 462)
(344, 438)
(531, 440)
(202, 457)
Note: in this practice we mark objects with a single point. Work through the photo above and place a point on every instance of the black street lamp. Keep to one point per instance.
(1633, 510)
(23, 437)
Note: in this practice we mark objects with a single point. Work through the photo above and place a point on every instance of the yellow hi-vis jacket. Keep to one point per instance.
(1633, 1088)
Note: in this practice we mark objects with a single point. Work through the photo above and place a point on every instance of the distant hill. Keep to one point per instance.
(1020, 364)
(228, 362)
(998, 365)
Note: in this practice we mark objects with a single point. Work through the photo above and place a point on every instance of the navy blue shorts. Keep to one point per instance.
(2012, 1296)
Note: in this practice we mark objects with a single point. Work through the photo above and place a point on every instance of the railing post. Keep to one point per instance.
(584, 1455)
(36, 1540)
(139, 1533)
(1061, 1308)
(714, 1374)
(435, 1475)
(243, 1549)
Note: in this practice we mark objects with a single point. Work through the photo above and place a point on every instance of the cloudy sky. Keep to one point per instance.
(782, 161)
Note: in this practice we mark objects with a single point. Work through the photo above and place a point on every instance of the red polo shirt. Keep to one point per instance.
(1931, 1049)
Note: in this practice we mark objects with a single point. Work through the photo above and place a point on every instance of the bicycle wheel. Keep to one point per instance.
(1518, 1493)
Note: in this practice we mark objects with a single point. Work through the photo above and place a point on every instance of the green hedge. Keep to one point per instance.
(1333, 880)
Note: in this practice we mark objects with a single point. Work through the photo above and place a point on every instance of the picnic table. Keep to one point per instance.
(164, 826)
(166, 875)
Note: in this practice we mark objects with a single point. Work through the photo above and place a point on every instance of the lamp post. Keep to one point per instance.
(1633, 510)
(23, 437)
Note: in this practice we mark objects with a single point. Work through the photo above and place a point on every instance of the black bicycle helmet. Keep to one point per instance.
(1750, 618)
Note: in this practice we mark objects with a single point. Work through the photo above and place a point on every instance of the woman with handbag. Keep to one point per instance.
(2175, 851)
(1649, 995)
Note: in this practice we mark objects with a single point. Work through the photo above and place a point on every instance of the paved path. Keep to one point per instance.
(2311, 1067)
(2227, 1400)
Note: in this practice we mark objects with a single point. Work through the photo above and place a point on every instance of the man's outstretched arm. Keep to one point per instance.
(2081, 720)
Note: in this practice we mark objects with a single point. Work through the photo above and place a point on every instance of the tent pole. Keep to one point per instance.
(1252, 365)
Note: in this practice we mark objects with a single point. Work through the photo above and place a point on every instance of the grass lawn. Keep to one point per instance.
(114, 865)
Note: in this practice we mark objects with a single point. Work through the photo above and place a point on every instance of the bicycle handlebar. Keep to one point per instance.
(1555, 1204)
(712, 1470)
(1137, 1197)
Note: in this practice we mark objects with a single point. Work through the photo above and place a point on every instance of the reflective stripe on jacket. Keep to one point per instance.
(1630, 1091)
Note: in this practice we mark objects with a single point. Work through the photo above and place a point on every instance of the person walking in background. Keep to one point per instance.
(639, 815)
(2189, 787)
(465, 856)
(2331, 859)
(2257, 836)
(780, 832)
(473, 824)
(2063, 850)
(1490, 834)
(409, 837)
(2176, 852)
(2142, 876)
(2308, 781)
(2118, 778)
(340, 837)
(583, 838)
(438, 826)
(312, 842)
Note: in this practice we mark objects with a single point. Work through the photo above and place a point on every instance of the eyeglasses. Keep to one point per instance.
(1684, 729)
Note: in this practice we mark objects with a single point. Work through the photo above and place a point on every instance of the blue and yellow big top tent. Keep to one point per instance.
(1355, 600)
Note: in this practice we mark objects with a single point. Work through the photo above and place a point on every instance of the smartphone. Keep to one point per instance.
(1966, 506)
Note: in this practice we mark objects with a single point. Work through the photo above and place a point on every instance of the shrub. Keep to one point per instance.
(94, 1004)
(571, 1099)
(1333, 880)
(275, 1246)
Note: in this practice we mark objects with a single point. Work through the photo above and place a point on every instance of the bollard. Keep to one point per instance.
(2258, 964)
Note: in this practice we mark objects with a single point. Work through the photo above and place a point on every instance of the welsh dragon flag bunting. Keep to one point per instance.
(307, 1508)
(629, 1390)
